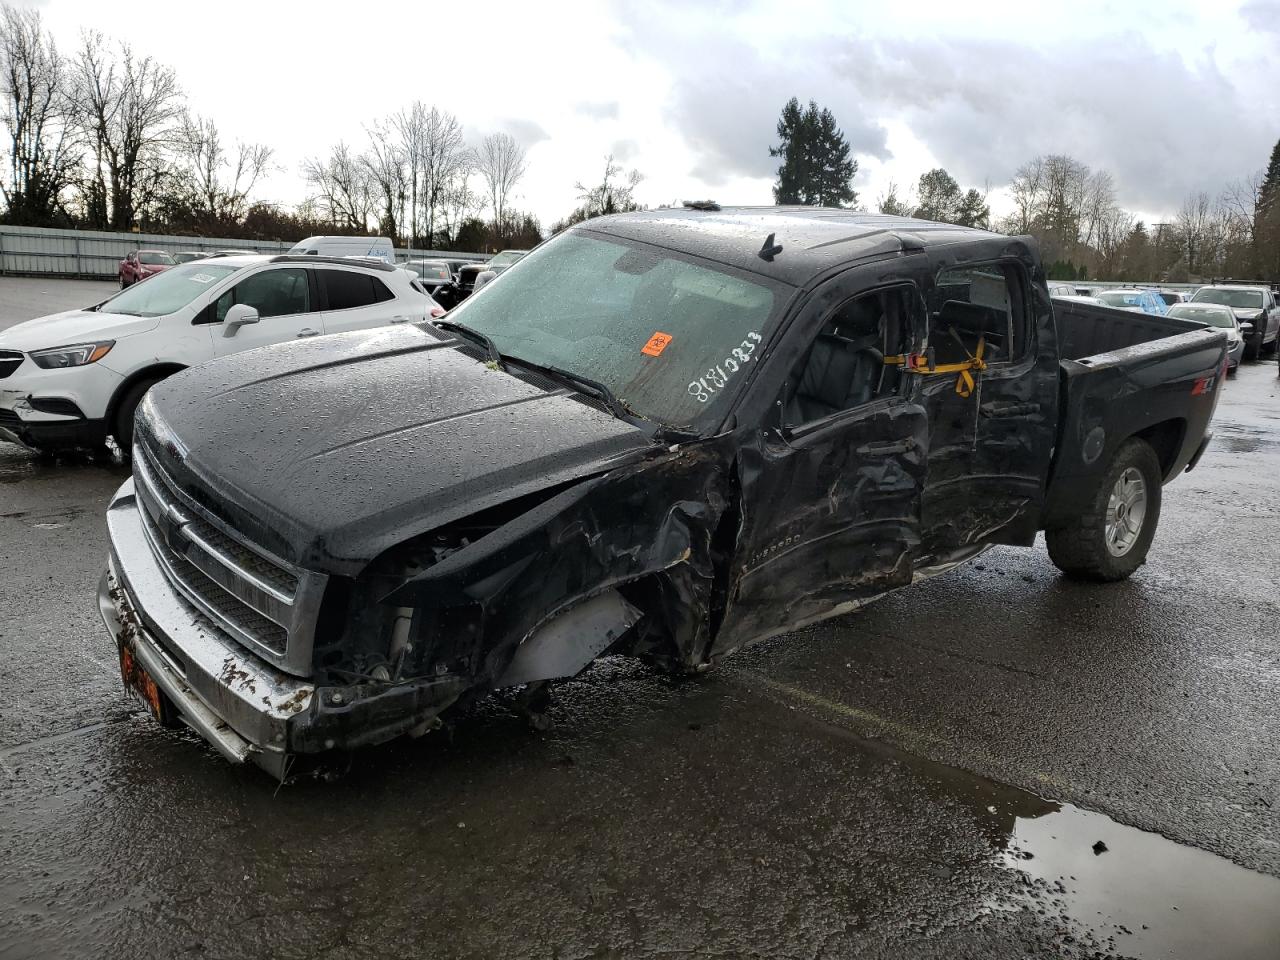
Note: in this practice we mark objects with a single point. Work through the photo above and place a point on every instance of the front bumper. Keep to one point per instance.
(51, 432)
(244, 707)
(84, 391)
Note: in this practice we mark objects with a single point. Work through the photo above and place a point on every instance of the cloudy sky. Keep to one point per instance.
(1169, 96)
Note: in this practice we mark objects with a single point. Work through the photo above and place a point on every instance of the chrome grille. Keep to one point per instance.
(10, 360)
(254, 597)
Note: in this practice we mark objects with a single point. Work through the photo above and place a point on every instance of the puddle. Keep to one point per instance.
(1143, 896)
(1147, 896)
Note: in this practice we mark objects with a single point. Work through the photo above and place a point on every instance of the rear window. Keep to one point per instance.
(1241, 299)
(346, 290)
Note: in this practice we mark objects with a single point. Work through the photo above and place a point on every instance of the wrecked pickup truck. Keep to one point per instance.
(663, 434)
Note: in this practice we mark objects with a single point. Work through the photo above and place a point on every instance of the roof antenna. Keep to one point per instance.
(770, 249)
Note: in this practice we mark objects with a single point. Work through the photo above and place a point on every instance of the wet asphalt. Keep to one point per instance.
(927, 778)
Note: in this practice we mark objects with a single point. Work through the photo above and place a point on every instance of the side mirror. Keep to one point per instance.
(1246, 327)
(237, 316)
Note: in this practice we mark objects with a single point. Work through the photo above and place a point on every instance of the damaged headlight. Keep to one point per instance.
(76, 355)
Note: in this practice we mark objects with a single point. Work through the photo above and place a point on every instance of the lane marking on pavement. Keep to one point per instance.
(910, 738)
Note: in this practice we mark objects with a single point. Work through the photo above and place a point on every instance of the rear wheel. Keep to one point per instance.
(1111, 537)
(124, 414)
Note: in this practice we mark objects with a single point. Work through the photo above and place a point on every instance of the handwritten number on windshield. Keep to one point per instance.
(716, 377)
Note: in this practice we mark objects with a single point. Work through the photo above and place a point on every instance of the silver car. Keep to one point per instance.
(1215, 315)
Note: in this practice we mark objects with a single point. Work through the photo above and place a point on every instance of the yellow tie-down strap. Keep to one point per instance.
(918, 363)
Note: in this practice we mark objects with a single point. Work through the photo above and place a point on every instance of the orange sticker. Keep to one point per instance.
(657, 343)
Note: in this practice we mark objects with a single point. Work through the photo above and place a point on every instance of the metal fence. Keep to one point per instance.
(93, 254)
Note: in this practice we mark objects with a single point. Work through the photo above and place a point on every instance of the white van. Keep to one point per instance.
(379, 248)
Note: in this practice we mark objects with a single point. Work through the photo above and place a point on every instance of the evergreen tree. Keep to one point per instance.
(816, 169)
(1269, 193)
(1267, 227)
(942, 200)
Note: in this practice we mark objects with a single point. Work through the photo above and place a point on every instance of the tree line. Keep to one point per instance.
(102, 138)
(1071, 210)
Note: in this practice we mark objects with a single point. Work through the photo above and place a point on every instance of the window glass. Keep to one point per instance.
(380, 292)
(347, 289)
(845, 366)
(670, 335)
(273, 293)
(155, 257)
(978, 303)
(167, 292)
(1242, 299)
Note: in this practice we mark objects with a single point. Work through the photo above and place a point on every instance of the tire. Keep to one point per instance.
(125, 411)
(1105, 544)
(1251, 350)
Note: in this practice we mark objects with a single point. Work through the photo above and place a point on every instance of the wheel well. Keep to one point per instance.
(1165, 438)
(157, 372)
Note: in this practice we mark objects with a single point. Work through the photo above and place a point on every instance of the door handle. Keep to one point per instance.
(308, 332)
(997, 410)
(887, 448)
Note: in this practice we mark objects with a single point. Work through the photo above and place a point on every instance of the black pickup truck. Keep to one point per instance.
(663, 434)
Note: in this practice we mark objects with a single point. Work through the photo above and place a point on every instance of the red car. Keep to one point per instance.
(143, 263)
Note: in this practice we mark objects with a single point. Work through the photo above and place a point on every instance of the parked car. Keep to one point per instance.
(1058, 288)
(1254, 305)
(73, 379)
(378, 247)
(506, 258)
(669, 434)
(140, 264)
(1170, 297)
(1143, 301)
(437, 279)
(1216, 315)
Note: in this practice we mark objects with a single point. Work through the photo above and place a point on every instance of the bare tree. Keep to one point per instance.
(1098, 206)
(612, 194)
(1028, 193)
(384, 163)
(340, 188)
(435, 156)
(128, 108)
(501, 162)
(35, 104)
(457, 203)
(221, 179)
(1195, 226)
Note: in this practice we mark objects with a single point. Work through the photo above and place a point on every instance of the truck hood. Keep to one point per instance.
(330, 451)
(1246, 313)
(72, 326)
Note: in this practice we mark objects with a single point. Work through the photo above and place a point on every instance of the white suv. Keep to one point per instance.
(73, 379)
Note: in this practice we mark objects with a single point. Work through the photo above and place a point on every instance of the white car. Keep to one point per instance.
(74, 378)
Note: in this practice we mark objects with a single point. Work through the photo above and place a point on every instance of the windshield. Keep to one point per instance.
(1121, 298)
(1212, 315)
(505, 258)
(1244, 299)
(169, 291)
(668, 335)
(154, 257)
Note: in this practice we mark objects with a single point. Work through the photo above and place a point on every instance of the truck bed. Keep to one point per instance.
(1127, 374)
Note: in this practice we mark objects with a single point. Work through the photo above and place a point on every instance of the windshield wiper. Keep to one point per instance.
(476, 335)
(583, 384)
